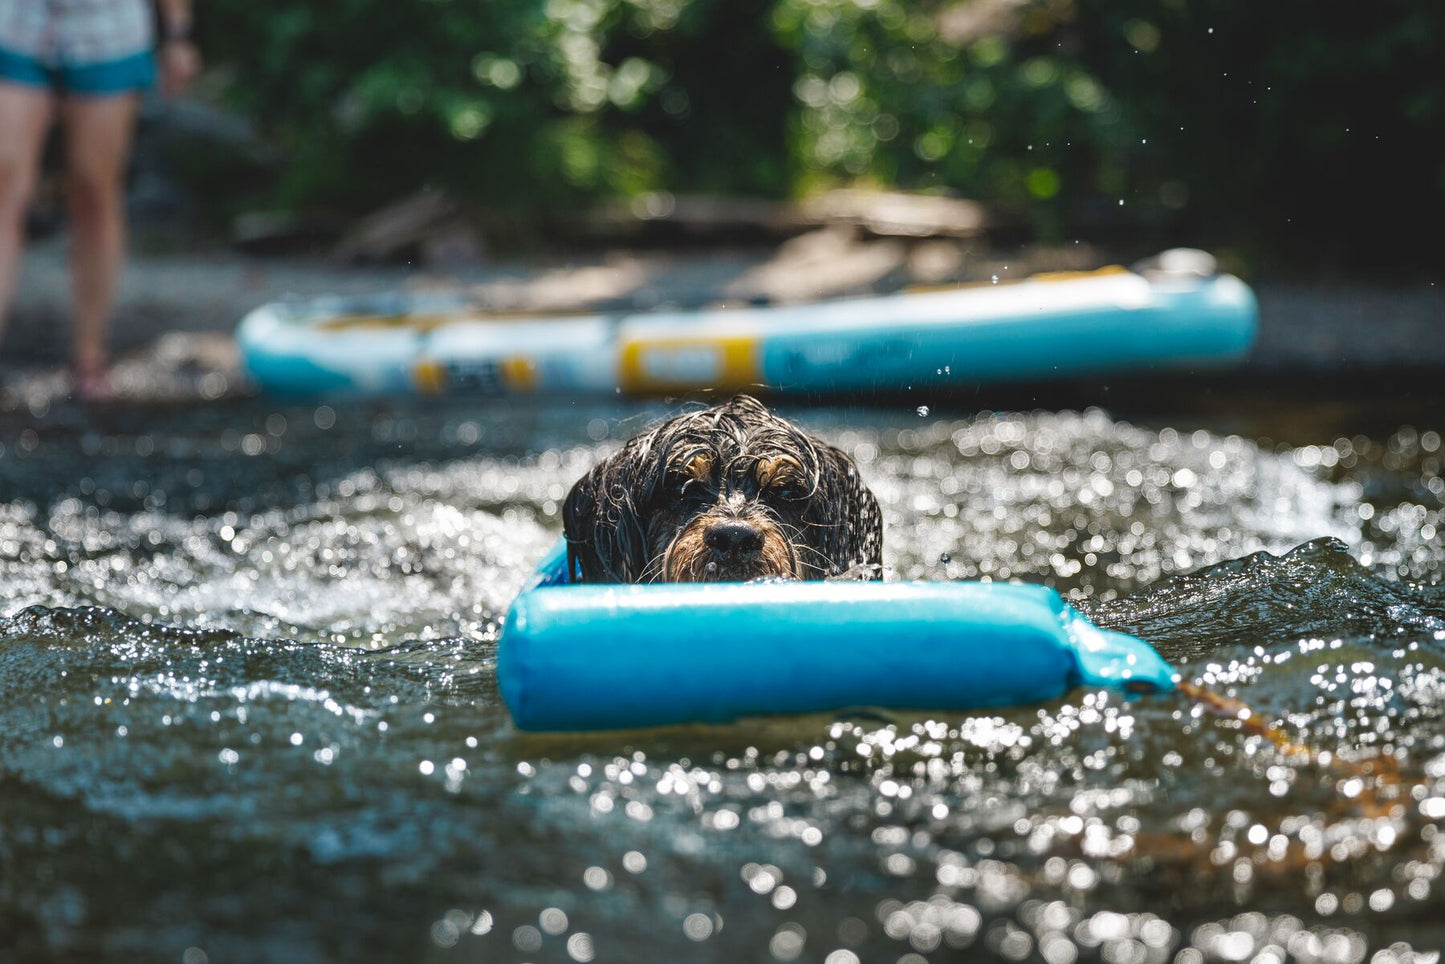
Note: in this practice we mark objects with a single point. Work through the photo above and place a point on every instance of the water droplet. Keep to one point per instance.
(923, 411)
(697, 927)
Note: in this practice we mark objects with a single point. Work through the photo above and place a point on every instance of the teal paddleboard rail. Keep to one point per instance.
(580, 657)
(1049, 326)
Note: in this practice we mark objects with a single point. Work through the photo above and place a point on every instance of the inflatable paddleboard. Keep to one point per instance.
(594, 657)
(1047, 326)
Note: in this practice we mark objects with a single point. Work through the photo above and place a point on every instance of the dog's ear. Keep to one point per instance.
(842, 495)
(605, 542)
(579, 518)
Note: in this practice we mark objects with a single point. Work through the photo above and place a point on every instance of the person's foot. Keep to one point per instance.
(91, 379)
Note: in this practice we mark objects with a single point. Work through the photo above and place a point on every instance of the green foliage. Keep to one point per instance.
(1264, 123)
(918, 95)
(513, 102)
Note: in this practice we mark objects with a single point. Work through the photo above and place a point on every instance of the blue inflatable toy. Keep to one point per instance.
(582, 657)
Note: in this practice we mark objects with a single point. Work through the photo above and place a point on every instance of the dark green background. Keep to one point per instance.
(1285, 131)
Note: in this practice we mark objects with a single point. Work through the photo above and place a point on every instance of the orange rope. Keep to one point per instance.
(1228, 708)
(1381, 767)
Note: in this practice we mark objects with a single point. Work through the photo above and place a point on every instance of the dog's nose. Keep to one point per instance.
(734, 538)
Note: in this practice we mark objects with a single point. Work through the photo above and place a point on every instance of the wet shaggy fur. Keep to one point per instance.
(728, 493)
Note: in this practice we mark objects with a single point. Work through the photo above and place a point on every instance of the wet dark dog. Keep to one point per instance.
(728, 493)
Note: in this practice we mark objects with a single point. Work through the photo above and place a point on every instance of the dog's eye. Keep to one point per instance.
(688, 479)
(788, 490)
(782, 478)
(787, 486)
(684, 487)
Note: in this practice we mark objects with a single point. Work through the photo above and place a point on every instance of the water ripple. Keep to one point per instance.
(251, 706)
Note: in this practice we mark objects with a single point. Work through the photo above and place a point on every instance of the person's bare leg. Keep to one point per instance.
(97, 146)
(24, 117)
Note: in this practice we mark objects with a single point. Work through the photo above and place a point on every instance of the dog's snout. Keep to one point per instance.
(734, 538)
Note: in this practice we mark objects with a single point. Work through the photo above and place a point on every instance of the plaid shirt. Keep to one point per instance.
(76, 33)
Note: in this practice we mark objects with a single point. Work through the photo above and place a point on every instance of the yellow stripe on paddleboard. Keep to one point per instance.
(656, 364)
(517, 373)
(430, 322)
(429, 376)
(1107, 271)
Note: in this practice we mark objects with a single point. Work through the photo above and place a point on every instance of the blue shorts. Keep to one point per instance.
(136, 72)
(89, 47)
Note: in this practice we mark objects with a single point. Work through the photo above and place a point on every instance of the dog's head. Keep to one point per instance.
(724, 494)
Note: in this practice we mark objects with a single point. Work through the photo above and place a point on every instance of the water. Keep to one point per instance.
(250, 710)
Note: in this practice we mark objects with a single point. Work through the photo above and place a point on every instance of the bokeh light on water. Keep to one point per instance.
(251, 710)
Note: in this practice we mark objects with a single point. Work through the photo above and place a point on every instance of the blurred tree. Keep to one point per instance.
(976, 98)
(513, 102)
(719, 111)
(1271, 126)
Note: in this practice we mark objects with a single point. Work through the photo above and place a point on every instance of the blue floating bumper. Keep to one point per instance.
(608, 657)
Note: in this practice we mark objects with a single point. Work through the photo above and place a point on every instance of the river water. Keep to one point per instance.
(249, 708)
